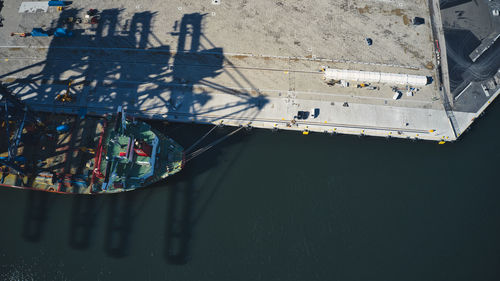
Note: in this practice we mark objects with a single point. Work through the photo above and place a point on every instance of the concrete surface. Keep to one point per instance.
(242, 62)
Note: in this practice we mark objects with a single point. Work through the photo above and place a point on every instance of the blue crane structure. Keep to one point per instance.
(14, 115)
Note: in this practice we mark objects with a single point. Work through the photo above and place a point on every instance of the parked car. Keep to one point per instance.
(302, 115)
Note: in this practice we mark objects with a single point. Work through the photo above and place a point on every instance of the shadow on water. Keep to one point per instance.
(184, 205)
(187, 201)
(35, 215)
(84, 214)
(119, 224)
(119, 212)
(122, 73)
(178, 227)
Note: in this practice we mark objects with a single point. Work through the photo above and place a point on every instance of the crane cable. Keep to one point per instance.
(203, 149)
(198, 141)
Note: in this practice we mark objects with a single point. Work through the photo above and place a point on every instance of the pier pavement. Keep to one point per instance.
(238, 63)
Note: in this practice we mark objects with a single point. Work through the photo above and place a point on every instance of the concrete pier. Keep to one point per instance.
(238, 63)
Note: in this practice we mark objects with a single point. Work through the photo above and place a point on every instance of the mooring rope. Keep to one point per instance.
(198, 141)
(203, 149)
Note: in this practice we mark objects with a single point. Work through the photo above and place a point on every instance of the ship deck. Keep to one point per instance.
(60, 156)
(238, 62)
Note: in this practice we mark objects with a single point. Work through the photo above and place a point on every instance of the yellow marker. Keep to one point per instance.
(282, 118)
(325, 122)
(442, 142)
(286, 72)
(430, 131)
(305, 133)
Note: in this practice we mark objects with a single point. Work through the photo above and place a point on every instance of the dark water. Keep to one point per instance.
(277, 206)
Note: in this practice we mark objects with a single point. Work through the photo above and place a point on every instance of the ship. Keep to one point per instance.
(82, 154)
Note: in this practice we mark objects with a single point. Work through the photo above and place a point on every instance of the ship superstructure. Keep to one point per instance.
(131, 154)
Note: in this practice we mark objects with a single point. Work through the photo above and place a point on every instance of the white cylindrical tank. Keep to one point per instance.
(375, 77)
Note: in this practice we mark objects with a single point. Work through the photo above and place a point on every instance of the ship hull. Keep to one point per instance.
(66, 162)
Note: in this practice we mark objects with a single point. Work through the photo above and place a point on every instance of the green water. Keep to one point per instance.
(277, 206)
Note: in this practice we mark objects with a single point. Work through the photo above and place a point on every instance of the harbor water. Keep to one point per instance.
(276, 206)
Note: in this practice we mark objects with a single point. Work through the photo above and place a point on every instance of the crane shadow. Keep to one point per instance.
(35, 215)
(117, 64)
